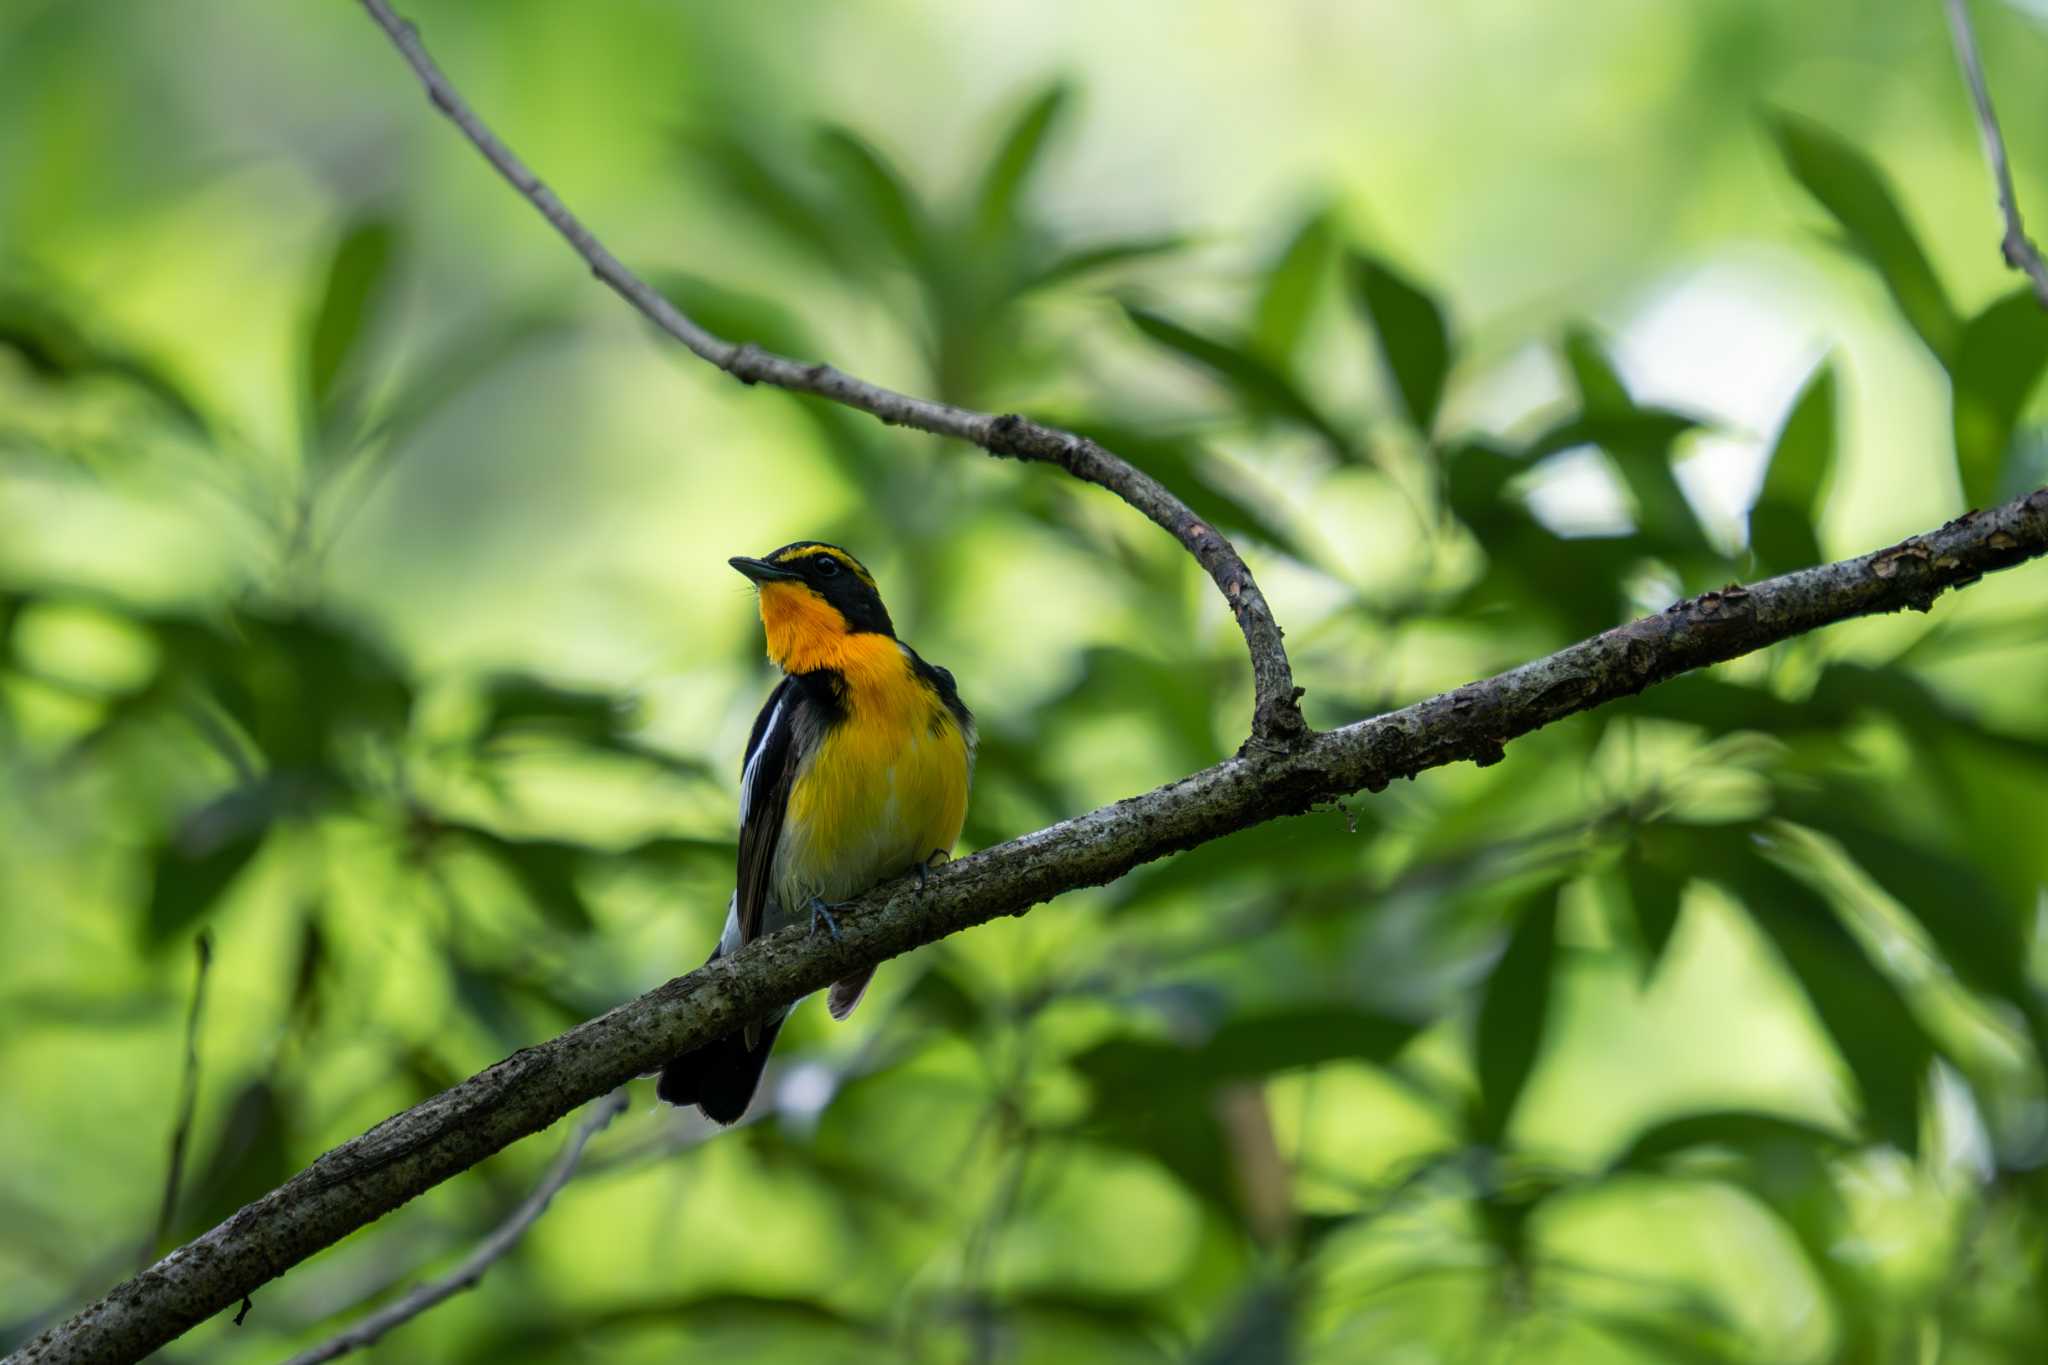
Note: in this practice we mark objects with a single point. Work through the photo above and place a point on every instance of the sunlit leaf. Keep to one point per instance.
(1853, 191)
(1413, 337)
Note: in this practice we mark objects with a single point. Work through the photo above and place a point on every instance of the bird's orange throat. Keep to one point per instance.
(806, 633)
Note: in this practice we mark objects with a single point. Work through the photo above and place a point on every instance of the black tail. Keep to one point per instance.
(720, 1077)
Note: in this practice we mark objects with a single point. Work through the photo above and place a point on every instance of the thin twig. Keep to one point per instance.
(2020, 251)
(410, 1153)
(1276, 718)
(487, 1253)
(188, 1102)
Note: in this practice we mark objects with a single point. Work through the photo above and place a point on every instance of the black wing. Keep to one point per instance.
(765, 781)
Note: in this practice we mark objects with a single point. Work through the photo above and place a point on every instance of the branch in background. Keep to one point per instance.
(188, 1102)
(2020, 252)
(359, 1181)
(487, 1253)
(1276, 718)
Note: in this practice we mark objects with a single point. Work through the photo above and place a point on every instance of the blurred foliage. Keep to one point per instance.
(1708, 1027)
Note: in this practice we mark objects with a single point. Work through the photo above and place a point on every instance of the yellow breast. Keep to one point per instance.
(885, 789)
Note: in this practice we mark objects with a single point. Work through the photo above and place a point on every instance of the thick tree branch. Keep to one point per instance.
(2020, 252)
(486, 1254)
(1276, 719)
(363, 1179)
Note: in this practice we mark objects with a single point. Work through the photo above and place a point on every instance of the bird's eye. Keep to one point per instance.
(828, 567)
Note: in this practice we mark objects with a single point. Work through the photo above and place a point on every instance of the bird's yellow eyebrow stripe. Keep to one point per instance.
(846, 561)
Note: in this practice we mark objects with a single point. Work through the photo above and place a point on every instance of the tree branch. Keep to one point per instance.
(363, 1179)
(1276, 718)
(487, 1253)
(2020, 252)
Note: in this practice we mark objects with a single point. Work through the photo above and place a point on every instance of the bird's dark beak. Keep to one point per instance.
(760, 570)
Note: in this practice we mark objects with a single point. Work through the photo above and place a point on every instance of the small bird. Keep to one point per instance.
(857, 771)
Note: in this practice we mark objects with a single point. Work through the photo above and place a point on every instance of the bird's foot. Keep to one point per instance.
(939, 858)
(821, 912)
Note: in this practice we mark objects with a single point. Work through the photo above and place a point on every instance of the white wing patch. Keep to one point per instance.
(752, 772)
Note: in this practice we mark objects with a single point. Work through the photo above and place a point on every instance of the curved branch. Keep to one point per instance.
(487, 1253)
(404, 1156)
(2019, 249)
(1276, 718)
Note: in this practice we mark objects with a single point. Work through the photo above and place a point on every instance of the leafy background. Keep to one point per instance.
(362, 609)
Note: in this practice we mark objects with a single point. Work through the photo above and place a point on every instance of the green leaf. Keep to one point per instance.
(1854, 192)
(1781, 525)
(1655, 890)
(358, 281)
(1513, 1012)
(1601, 390)
(1087, 259)
(251, 1156)
(874, 189)
(750, 180)
(1413, 337)
(1872, 1026)
(1288, 299)
(56, 347)
(1975, 923)
(1259, 1330)
(193, 871)
(1476, 478)
(1009, 173)
(1747, 1131)
(186, 885)
(462, 360)
(1640, 441)
(544, 869)
(1256, 382)
(1155, 1097)
(1183, 466)
(1249, 1047)
(735, 314)
(1998, 364)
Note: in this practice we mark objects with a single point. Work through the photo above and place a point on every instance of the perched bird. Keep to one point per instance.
(857, 771)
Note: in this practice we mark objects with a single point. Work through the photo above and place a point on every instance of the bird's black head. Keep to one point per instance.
(799, 579)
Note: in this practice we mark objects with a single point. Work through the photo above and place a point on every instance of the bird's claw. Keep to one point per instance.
(821, 909)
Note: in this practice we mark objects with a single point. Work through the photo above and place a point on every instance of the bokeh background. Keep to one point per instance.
(363, 608)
